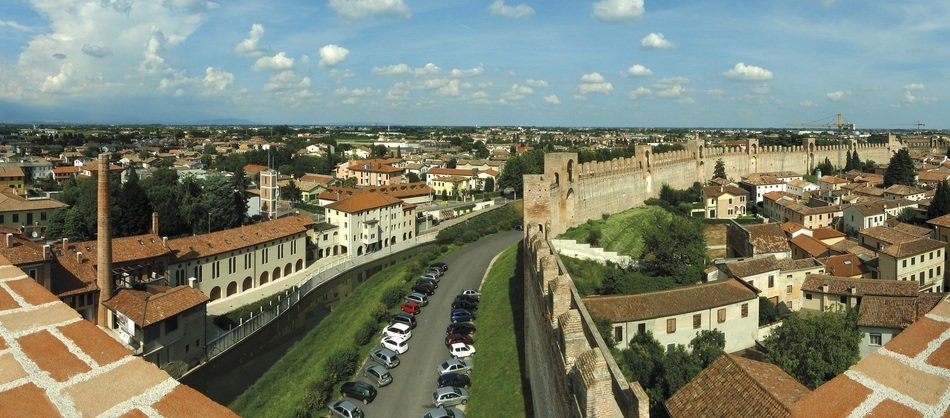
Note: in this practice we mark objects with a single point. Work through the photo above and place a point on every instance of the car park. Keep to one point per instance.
(404, 318)
(361, 391)
(424, 288)
(443, 412)
(461, 315)
(398, 331)
(399, 346)
(464, 328)
(455, 366)
(449, 396)
(418, 298)
(458, 380)
(464, 304)
(345, 409)
(384, 356)
(458, 338)
(471, 292)
(431, 282)
(461, 350)
(411, 308)
(378, 375)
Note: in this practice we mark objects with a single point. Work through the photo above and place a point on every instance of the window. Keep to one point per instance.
(745, 310)
(671, 325)
(931, 255)
(152, 333)
(788, 289)
(29, 218)
(844, 299)
(808, 296)
(171, 324)
(16, 217)
(618, 333)
(641, 328)
(876, 340)
(43, 215)
(721, 315)
(1, 219)
(904, 263)
(697, 321)
(771, 282)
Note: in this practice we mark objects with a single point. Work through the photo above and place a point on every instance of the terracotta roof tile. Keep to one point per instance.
(145, 308)
(887, 234)
(95, 343)
(21, 251)
(824, 233)
(889, 311)
(943, 221)
(888, 409)
(181, 402)
(401, 191)
(752, 267)
(626, 308)
(844, 265)
(910, 248)
(26, 401)
(52, 356)
(863, 287)
(363, 202)
(791, 264)
(836, 398)
(917, 231)
(810, 245)
(913, 340)
(768, 238)
(11, 202)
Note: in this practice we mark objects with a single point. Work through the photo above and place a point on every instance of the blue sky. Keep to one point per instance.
(883, 64)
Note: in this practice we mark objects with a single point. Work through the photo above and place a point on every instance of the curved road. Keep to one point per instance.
(414, 380)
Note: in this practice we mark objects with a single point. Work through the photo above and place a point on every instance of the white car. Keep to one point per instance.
(398, 331)
(461, 350)
(471, 292)
(399, 346)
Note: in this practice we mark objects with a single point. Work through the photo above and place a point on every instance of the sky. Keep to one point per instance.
(611, 63)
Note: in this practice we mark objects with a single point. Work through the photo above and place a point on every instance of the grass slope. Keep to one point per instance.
(621, 232)
(496, 382)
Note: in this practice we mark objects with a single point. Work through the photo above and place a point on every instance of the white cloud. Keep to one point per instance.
(15, 25)
(456, 72)
(673, 87)
(836, 96)
(427, 69)
(655, 40)
(517, 92)
(278, 62)
(763, 88)
(395, 69)
(639, 92)
(478, 95)
(358, 9)
(618, 10)
(498, 7)
(335, 73)
(637, 70)
(399, 91)
(909, 97)
(594, 83)
(358, 92)
(748, 73)
(249, 46)
(57, 83)
(552, 99)
(914, 86)
(286, 80)
(97, 51)
(451, 88)
(808, 103)
(536, 83)
(216, 81)
(331, 55)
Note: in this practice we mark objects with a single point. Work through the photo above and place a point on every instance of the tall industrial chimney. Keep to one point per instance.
(104, 242)
(155, 223)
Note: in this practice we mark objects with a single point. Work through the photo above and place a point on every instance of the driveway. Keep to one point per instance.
(414, 380)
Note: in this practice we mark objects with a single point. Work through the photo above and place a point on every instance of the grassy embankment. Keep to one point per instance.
(497, 386)
(621, 232)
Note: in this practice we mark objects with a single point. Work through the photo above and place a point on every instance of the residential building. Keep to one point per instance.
(941, 227)
(921, 260)
(12, 177)
(806, 247)
(758, 185)
(846, 265)
(165, 325)
(932, 178)
(417, 193)
(29, 216)
(781, 207)
(675, 316)
(801, 188)
(756, 241)
(375, 172)
(900, 191)
(30, 256)
(831, 183)
(779, 281)
(450, 181)
(371, 222)
(830, 293)
(61, 174)
(725, 202)
(868, 215)
(882, 317)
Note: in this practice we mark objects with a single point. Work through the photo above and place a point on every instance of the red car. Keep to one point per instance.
(458, 338)
(411, 308)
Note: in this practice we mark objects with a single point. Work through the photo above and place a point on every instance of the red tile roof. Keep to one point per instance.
(364, 201)
(156, 304)
(810, 245)
(626, 308)
(844, 265)
(218, 242)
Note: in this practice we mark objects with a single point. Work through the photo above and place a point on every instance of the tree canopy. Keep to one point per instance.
(940, 205)
(815, 348)
(900, 170)
(720, 170)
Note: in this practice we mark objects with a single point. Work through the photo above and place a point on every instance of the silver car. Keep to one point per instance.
(345, 409)
(449, 396)
(378, 375)
(384, 356)
(443, 412)
(418, 298)
(455, 365)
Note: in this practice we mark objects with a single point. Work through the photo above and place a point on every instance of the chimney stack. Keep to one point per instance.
(65, 243)
(104, 242)
(9, 241)
(155, 223)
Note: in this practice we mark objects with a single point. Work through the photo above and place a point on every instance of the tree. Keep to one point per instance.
(678, 248)
(679, 367)
(825, 167)
(290, 192)
(489, 184)
(239, 184)
(900, 170)
(412, 177)
(453, 162)
(217, 198)
(847, 161)
(164, 193)
(720, 170)
(135, 210)
(512, 176)
(768, 312)
(855, 160)
(907, 215)
(815, 348)
(940, 205)
(57, 223)
(707, 346)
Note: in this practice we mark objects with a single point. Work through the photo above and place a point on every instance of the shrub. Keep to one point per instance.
(380, 312)
(593, 237)
(341, 364)
(470, 236)
(392, 296)
(318, 395)
(365, 333)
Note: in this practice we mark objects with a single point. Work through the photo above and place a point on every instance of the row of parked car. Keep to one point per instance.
(453, 382)
(395, 341)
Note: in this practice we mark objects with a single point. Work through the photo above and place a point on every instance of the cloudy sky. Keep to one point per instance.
(724, 63)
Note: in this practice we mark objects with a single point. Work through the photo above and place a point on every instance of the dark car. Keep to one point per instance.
(432, 282)
(464, 304)
(469, 298)
(464, 328)
(519, 227)
(411, 308)
(359, 390)
(458, 380)
(424, 288)
(404, 318)
(458, 338)
(462, 315)
(441, 266)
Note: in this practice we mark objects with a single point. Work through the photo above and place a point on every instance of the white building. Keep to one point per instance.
(371, 222)
(800, 187)
(758, 185)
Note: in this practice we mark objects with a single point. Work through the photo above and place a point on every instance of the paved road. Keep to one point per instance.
(414, 380)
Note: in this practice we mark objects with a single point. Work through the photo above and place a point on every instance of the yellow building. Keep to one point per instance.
(12, 177)
(29, 216)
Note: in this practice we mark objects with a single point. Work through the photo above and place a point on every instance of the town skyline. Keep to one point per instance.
(596, 63)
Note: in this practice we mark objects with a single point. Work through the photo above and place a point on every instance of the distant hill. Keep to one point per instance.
(225, 121)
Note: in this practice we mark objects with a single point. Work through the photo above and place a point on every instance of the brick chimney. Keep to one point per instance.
(104, 242)
(155, 223)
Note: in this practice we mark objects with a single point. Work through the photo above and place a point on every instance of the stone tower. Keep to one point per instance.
(103, 242)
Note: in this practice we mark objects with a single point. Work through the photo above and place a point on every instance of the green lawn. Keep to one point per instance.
(283, 388)
(621, 232)
(496, 381)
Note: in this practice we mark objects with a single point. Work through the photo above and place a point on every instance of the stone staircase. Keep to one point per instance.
(583, 251)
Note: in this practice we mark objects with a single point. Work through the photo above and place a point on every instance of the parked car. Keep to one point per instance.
(464, 328)
(432, 282)
(378, 375)
(436, 271)
(458, 338)
(361, 391)
(418, 298)
(345, 409)
(462, 315)
(431, 276)
(400, 347)
(403, 318)
(385, 357)
(443, 412)
(461, 350)
(519, 228)
(411, 308)
(424, 288)
(469, 298)
(398, 331)
(441, 266)
(464, 304)
(458, 380)
(471, 292)
(455, 366)
(449, 396)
